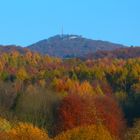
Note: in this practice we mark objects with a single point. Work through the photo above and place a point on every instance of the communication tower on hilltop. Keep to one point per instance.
(62, 31)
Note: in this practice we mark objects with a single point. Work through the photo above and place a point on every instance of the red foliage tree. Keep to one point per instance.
(111, 115)
(75, 110)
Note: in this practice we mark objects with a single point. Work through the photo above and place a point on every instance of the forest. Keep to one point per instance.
(48, 98)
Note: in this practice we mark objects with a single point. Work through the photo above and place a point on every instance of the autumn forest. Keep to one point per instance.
(48, 98)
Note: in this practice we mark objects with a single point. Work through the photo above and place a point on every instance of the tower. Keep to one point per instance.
(62, 31)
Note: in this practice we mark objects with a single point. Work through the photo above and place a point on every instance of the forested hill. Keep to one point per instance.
(69, 46)
(120, 53)
(12, 48)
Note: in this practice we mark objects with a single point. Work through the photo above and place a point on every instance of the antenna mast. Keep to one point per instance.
(62, 31)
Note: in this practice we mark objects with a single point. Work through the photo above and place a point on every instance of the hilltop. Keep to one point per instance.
(69, 46)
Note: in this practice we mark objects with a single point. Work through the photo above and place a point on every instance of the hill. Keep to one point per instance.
(11, 48)
(68, 46)
(120, 53)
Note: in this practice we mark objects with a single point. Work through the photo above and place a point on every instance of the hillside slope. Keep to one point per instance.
(68, 46)
(11, 48)
(120, 53)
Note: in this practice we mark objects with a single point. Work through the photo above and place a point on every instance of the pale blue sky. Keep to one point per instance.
(23, 22)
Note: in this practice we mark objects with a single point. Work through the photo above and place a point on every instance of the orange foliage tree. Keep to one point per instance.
(72, 86)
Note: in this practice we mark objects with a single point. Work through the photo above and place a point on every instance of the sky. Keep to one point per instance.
(23, 22)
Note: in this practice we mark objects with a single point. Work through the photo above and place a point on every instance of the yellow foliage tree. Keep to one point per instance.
(93, 132)
(72, 86)
(1, 66)
(24, 131)
(85, 88)
(22, 74)
(4, 125)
